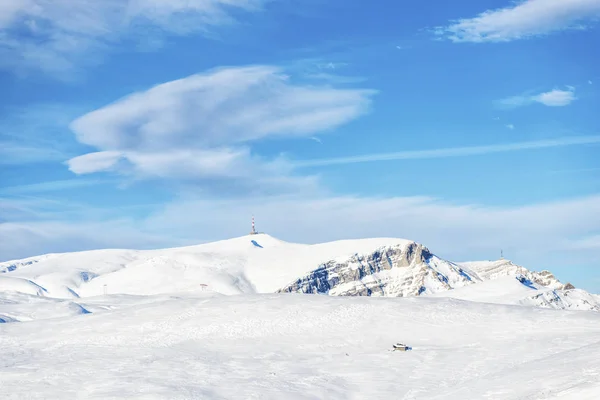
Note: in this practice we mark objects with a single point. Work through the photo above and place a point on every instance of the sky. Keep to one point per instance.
(471, 127)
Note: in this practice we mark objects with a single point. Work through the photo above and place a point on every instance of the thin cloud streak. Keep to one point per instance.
(452, 152)
(51, 186)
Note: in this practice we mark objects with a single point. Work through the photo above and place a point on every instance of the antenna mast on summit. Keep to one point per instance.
(501, 254)
(253, 232)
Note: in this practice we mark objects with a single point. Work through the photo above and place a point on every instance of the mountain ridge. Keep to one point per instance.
(260, 263)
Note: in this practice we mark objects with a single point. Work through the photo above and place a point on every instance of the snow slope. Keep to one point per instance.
(503, 290)
(520, 290)
(488, 270)
(289, 346)
(248, 264)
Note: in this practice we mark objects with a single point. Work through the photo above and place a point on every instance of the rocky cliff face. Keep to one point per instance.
(394, 271)
(412, 270)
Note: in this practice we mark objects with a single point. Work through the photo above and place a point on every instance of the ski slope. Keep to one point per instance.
(290, 346)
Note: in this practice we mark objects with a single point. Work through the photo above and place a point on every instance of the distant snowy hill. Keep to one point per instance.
(522, 291)
(262, 264)
(541, 289)
(488, 270)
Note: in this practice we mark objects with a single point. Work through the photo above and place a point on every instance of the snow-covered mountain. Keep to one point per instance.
(248, 264)
(158, 333)
(520, 290)
(410, 269)
(407, 269)
(540, 289)
(488, 270)
(262, 264)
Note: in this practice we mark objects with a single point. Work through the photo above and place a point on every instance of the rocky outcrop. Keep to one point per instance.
(412, 270)
(395, 271)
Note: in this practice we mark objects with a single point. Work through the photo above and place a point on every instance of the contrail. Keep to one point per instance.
(451, 152)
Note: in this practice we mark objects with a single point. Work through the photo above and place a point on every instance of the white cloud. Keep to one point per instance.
(200, 127)
(213, 170)
(556, 98)
(54, 34)
(229, 105)
(510, 126)
(523, 19)
(93, 162)
(553, 98)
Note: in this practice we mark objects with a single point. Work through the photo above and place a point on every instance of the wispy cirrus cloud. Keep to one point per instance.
(49, 186)
(523, 19)
(452, 152)
(201, 127)
(14, 153)
(553, 98)
(54, 35)
(38, 133)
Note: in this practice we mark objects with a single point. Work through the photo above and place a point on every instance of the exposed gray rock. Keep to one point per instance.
(397, 271)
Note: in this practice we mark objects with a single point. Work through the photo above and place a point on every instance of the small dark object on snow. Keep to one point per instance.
(401, 347)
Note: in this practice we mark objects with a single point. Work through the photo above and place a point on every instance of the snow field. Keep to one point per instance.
(201, 346)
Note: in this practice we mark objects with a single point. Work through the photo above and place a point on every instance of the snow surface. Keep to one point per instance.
(230, 267)
(290, 346)
(504, 290)
(157, 335)
(489, 270)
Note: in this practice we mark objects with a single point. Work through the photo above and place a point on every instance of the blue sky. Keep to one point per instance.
(468, 126)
